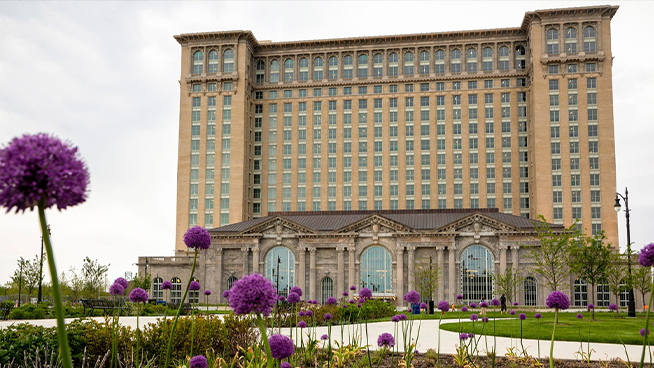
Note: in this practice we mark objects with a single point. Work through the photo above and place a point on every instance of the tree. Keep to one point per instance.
(74, 283)
(642, 281)
(427, 276)
(551, 259)
(142, 282)
(94, 274)
(26, 276)
(616, 276)
(507, 283)
(590, 260)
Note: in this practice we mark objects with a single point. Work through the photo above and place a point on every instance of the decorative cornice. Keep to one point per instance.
(600, 11)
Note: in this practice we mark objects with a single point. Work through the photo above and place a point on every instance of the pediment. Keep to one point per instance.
(476, 224)
(279, 226)
(374, 224)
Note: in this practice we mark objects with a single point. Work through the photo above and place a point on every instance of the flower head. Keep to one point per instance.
(300, 314)
(194, 285)
(580, 316)
(226, 294)
(484, 319)
(122, 282)
(297, 290)
(403, 317)
(512, 312)
(464, 309)
(474, 317)
(591, 306)
(645, 258)
(613, 307)
(483, 305)
(41, 169)
(198, 361)
(116, 289)
(324, 337)
(302, 324)
(138, 295)
(351, 301)
(522, 316)
(459, 297)
(252, 293)
(308, 313)
(281, 298)
(495, 302)
(166, 285)
(642, 332)
(386, 340)
(558, 299)
(197, 237)
(328, 316)
(281, 346)
(463, 336)
(285, 365)
(471, 335)
(365, 293)
(473, 305)
(353, 287)
(345, 294)
(444, 306)
(423, 306)
(538, 316)
(292, 298)
(412, 297)
(395, 318)
(515, 304)
(331, 301)
(359, 305)
(207, 292)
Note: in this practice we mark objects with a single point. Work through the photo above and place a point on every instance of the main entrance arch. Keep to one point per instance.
(476, 274)
(376, 271)
(280, 269)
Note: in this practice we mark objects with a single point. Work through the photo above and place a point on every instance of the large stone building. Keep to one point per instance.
(519, 119)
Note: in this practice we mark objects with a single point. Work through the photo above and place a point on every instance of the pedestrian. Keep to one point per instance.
(502, 304)
(453, 307)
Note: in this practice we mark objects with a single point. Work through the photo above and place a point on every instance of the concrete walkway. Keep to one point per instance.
(428, 339)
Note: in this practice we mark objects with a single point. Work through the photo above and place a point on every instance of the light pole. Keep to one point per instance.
(41, 267)
(631, 304)
(20, 281)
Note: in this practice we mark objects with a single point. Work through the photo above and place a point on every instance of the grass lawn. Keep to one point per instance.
(604, 328)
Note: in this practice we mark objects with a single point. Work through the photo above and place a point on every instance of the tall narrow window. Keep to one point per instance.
(393, 65)
(471, 60)
(439, 61)
(274, 71)
(261, 71)
(580, 293)
(408, 63)
(176, 291)
(348, 66)
(303, 73)
(377, 65)
(520, 57)
(362, 71)
(333, 67)
(231, 281)
(317, 68)
(327, 288)
(503, 63)
(228, 61)
(530, 291)
(288, 70)
(455, 61)
(194, 295)
(213, 61)
(552, 41)
(589, 39)
(571, 40)
(157, 292)
(198, 61)
(487, 61)
(424, 63)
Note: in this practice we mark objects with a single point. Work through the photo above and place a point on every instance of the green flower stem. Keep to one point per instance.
(556, 318)
(642, 357)
(179, 310)
(264, 339)
(438, 354)
(66, 359)
(138, 336)
(192, 328)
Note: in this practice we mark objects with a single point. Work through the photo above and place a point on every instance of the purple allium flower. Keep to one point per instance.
(302, 324)
(116, 289)
(412, 297)
(423, 306)
(645, 258)
(359, 305)
(483, 305)
(386, 340)
(395, 318)
(138, 295)
(226, 294)
(353, 287)
(512, 312)
(444, 306)
(297, 290)
(308, 313)
(642, 332)
(292, 298)
(197, 237)
(522, 316)
(471, 335)
(281, 298)
(344, 305)
(252, 293)
(591, 306)
(207, 292)
(351, 301)
(194, 285)
(484, 319)
(473, 305)
(365, 293)
(580, 316)
(198, 361)
(331, 301)
(613, 307)
(324, 337)
(300, 313)
(464, 309)
(459, 297)
(463, 336)
(328, 316)
(515, 304)
(122, 282)
(403, 317)
(285, 365)
(41, 168)
(474, 317)
(495, 303)
(166, 285)
(538, 316)
(558, 299)
(281, 346)
(345, 294)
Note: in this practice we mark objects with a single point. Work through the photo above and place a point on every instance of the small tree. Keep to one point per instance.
(642, 281)
(616, 275)
(551, 259)
(590, 259)
(507, 283)
(142, 282)
(75, 283)
(94, 274)
(427, 276)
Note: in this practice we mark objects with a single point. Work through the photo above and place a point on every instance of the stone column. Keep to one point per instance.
(245, 251)
(340, 278)
(255, 260)
(399, 290)
(219, 273)
(312, 273)
(412, 276)
(451, 268)
(515, 257)
(350, 267)
(440, 293)
(502, 258)
(301, 272)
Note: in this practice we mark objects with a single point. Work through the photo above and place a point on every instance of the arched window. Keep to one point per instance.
(261, 71)
(408, 63)
(487, 59)
(530, 291)
(476, 274)
(552, 41)
(333, 67)
(317, 68)
(348, 65)
(213, 61)
(194, 295)
(424, 63)
(376, 270)
(157, 292)
(471, 60)
(198, 62)
(580, 293)
(327, 287)
(377, 65)
(231, 281)
(603, 295)
(393, 64)
(288, 70)
(439, 58)
(303, 73)
(503, 63)
(520, 57)
(455, 61)
(589, 39)
(280, 269)
(228, 61)
(176, 291)
(363, 66)
(274, 71)
(571, 40)
(624, 294)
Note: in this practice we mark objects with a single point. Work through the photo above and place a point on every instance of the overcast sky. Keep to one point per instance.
(104, 75)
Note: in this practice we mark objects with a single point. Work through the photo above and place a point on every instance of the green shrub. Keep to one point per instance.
(28, 311)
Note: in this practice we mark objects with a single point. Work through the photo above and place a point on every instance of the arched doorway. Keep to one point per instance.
(327, 288)
(476, 274)
(376, 271)
(280, 269)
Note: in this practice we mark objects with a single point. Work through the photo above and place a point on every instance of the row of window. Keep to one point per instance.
(213, 66)
(570, 40)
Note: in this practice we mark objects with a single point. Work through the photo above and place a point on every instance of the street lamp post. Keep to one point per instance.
(41, 267)
(20, 281)
(631, 304)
